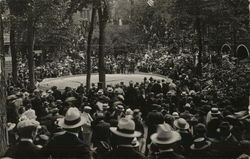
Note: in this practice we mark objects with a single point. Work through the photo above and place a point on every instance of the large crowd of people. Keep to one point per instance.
(189, 117)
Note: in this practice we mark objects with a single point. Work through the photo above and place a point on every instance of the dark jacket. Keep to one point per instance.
(24, 149)
(66, 146)
(123, 153)
(197, 154)
(100, 132)
(226, 148)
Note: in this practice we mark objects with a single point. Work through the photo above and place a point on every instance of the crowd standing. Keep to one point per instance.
(189, 117)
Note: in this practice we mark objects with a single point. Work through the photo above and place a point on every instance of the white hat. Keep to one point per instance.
(181, 124)
(175, 114)
(120, 97)
(28, 123)
(30, 114)
(70, 99)
(187, 105)
(120, 107)
(165, 135)
(87, 108)
(125, 128)
(129, 112)
(72, 119)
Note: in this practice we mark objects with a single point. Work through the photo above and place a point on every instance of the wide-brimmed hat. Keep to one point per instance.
(200, 144)
(120, 107)
(125, 128)
(165, 135)
(72, 119)
(11, 97)
(27, 123)
(181, 124)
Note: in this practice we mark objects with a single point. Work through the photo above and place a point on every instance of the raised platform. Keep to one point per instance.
(75, 81)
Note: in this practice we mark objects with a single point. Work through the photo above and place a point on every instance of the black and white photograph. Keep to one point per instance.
(124, 79)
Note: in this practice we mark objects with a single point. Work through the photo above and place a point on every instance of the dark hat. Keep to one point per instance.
(225, 126)
(200, 144)
(200, 128)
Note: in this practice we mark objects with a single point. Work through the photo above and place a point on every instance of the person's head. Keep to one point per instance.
(165, 137)
(87, 109)
(224, 129)
(124, 133)
(27, 128)
(72, 121)
(200, 130)
(181, 125)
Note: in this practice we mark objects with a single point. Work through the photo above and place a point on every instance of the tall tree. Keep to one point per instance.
(103, 15)
(3, 116)
(17, 9)
(90, 34)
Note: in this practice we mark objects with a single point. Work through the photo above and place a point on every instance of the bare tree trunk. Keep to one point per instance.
(13, 50)
(199, 66)
(91, 29)
(103, 18)
(30, 44)
(3, 116)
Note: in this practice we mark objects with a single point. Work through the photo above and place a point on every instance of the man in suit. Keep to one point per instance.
(25, 148)
(100, 130)
(122, 141)
(154, 118)
(165, 140)
(68, 145)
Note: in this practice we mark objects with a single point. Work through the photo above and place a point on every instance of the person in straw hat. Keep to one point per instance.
(25, 148)
(68, 145)
(200, 148)
(122, 141)
(182, 126)
(165, 140)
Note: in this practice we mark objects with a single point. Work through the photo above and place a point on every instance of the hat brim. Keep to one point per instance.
(135, 134)
(63, 125)
(177, 126)
(192, 147)
(175, 137)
